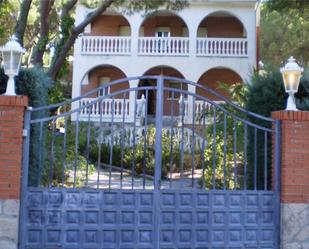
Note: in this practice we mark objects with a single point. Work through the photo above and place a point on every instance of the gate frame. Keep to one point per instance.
(276, 165)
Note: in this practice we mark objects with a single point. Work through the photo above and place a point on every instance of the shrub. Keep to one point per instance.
(35, 84)
(223, 166)
(266, 94)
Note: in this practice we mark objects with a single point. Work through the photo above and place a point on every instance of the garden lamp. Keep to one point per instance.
(11, 58)
(291, 74)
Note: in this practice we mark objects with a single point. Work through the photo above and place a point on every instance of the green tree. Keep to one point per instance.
(283, 5)
(8, 13)
(284, 31)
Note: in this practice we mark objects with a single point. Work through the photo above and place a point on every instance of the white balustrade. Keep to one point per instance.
(229, 47)
(99, 45)
(170, 46)
(126, 137)
(163, 46)
(200, 107)
(104, 108)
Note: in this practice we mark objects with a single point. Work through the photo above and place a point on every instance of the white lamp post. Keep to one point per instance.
(11, 58)
(291, 74)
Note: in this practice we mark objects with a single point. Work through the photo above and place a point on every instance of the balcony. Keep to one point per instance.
(164, 46)
(222, 47)
(172, 46)
(105, 45)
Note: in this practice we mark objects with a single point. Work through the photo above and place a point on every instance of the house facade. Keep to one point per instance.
(208, 42)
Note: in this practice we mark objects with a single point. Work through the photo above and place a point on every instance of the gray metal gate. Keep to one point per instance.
(150, 182)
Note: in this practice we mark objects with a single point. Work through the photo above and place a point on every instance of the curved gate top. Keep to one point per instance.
(166, 164)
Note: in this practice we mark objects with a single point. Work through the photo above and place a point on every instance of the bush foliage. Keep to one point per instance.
(266, 94)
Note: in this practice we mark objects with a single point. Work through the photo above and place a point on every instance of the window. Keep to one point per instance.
(106, 90)
(163, 32)
(163, 45)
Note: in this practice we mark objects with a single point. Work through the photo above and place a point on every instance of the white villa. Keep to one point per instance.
(211, 41)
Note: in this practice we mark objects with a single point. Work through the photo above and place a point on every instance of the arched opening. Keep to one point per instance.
(222, 34)
(221, 24)
(110, 24)
(101, 75)
(163, 32)
(170, 99)
(163, 24)
(212, 79)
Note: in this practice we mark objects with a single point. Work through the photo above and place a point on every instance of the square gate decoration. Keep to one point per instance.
(147, 183)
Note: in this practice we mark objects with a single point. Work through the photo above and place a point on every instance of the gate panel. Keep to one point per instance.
(199, 178)
(217, 219)
(85, 218)
(126, 219)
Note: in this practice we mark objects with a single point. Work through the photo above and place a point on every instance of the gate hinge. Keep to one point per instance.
(25, 133)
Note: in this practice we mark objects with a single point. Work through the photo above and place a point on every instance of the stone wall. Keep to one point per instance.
(295, 226)
(9, 215)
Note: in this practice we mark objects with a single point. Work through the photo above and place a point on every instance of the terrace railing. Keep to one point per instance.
(175, 46)
(116, 45)
(230, 47)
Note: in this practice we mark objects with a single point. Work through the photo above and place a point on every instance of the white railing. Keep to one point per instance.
(163, 46)
(99, 45)
(229, 47)
(200, 106)
(130, 136)
(105, 107)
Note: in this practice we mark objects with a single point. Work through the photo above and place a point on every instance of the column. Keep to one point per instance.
(11, 140)
(294, 178)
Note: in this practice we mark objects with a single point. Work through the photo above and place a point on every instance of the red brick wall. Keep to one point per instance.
(11, 141)
(108, 25)
(112, 72)
(294, 156)
(175, 24)
(223, 27)
(211, 79)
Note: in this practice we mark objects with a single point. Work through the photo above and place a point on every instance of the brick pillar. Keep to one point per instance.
(294, 178)
(11, 141)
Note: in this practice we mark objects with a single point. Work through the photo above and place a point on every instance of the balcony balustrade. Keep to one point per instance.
(105, 45)
(105, 107)
(222, 47)
(164, 46)
(173, 46)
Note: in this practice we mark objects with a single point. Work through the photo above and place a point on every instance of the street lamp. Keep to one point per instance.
(291, 74)
(11, 58)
